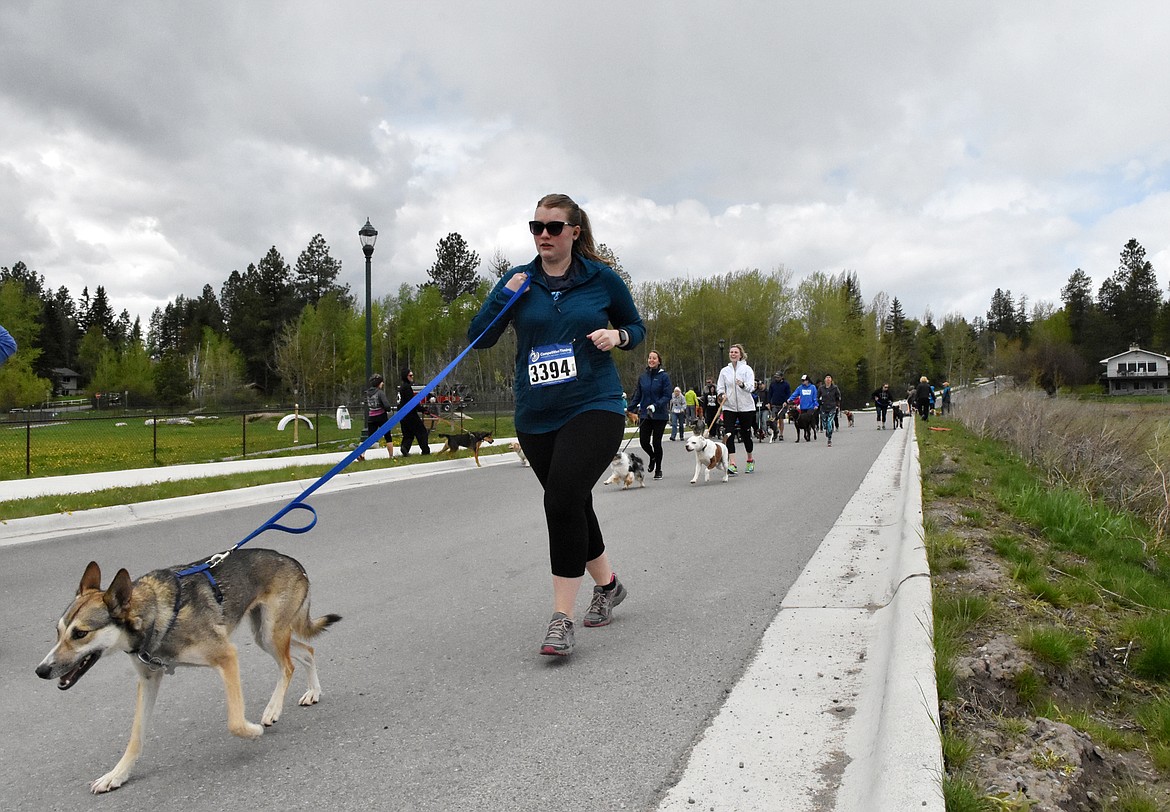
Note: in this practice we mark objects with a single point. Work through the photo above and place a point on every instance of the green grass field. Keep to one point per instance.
(78, 445)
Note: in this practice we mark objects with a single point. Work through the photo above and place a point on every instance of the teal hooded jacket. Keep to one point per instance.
(596, 299)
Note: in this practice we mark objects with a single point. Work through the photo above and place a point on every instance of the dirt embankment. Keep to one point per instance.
(1038, 735)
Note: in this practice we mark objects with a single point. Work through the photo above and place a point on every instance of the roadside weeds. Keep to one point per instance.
(1051, 613)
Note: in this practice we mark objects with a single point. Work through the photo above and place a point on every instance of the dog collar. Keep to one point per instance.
(151, 661)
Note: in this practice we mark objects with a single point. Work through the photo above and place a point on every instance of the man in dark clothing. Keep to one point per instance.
(829, 395)
(923, 397)
(777, 400)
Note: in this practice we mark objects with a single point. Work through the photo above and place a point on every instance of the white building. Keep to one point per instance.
(1137, 372)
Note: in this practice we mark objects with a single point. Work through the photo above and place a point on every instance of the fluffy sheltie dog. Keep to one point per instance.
(626, 468)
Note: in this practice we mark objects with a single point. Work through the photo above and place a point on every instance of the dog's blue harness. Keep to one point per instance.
(298, 502)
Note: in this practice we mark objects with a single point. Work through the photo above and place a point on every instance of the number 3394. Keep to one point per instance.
(552, 371)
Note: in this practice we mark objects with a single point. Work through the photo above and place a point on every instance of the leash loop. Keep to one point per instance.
(296, 504)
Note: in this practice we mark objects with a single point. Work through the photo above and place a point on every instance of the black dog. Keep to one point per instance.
(899, 415)
(775, 424)
(806, 422)
(468, 439)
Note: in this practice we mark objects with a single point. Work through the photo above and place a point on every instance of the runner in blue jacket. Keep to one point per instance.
(805, 395)
(7, 345)
(651, 402)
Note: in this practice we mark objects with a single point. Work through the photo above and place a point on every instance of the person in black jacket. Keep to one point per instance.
(829, 399)
(882, 399)
(779, 391)
(923, 397)
(412, 424)
(709, 405)
(651, 402)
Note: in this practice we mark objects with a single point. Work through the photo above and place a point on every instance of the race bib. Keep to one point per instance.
(551, 364)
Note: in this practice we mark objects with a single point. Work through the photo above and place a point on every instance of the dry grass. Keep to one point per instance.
(1117, 453)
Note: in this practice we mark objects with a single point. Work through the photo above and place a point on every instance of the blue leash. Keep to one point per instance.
(298, 502)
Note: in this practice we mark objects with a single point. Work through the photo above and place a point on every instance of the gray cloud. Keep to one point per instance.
(938, 150)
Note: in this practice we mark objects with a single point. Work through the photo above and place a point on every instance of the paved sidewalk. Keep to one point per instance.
(84, 483)
(356, 475)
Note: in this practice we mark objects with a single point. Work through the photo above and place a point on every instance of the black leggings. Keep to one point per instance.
(568, 462)
(414, 429)
(650, 436)
(744, 422)
(375, 422)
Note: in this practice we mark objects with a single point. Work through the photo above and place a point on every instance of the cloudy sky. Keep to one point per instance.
(938, 149)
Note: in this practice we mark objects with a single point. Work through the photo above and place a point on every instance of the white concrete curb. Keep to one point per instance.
(838, 710)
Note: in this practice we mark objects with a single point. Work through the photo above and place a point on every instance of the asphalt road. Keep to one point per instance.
(434, 695)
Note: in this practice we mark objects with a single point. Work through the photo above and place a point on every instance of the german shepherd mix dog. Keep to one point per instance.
(709, 455)
(626, 468)
(163, 620)
(899, 416)
(468, 439)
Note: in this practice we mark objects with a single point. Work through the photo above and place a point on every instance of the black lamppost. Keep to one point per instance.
(368, 235)
(722, 345)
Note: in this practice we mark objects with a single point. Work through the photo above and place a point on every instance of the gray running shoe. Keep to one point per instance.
(601, 607)
(559, 639)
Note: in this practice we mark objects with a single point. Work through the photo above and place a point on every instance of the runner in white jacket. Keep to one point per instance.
(735, 386)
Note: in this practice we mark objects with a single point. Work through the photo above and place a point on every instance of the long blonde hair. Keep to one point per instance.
(584, 244)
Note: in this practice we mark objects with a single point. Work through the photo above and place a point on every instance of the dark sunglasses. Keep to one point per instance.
(554, 228)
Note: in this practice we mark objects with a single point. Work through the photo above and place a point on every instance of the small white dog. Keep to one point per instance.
(520, 453)
(626, 468)
(709, 454)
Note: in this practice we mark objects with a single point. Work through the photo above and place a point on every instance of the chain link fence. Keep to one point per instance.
(76, 440)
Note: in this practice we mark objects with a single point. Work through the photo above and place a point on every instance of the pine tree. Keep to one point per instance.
(851, 289)
(101, 315)
(1131, 298)
(1077, 296)
(454, 270)
(257, 304)
(172, 383)
(897, 321)
(59, 332)
(1001, 318)
(316, 273)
